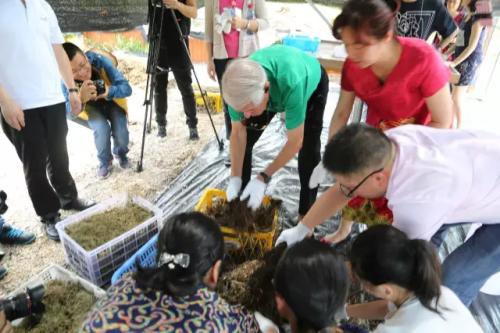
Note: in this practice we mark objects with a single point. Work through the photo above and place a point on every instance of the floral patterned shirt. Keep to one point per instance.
(128, 308)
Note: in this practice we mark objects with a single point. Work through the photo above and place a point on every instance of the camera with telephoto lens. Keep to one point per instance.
(3, 200)
(24, 304)
(99, 87)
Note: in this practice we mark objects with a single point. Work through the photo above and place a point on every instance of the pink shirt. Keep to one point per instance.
(231, 39)
(443, 176)
(419, 74)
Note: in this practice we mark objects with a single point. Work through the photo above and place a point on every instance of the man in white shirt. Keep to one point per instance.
(431, 178)
(32, 62)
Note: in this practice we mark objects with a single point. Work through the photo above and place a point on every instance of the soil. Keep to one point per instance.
(66, 306)
(238, 216)
(250, 283)
(101, 228)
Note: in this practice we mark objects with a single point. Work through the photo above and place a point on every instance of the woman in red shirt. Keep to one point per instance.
(401, 80)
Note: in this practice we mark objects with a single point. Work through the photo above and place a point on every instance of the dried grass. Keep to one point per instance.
(66, 306)
(101, 228)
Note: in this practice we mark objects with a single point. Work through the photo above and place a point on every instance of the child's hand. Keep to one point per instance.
(342, 232)
(334, 238)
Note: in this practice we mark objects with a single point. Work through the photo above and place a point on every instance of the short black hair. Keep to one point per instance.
(71, 50)
(312, 278)
(356, 148)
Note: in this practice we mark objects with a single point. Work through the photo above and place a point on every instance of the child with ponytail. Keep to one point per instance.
(405, 274)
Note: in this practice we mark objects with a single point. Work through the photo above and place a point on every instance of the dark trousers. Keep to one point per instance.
(41, 146)
(309, 154)
(220, 68)
(184, 81)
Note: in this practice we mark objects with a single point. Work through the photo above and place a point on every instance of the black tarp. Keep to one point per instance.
(207, 170)
(99, 15)
(106, 15)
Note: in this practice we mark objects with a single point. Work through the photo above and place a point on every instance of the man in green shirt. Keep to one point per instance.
(274, 79)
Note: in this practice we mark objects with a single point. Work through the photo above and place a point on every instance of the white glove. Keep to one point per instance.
(233, 188)
(254, 190)
(318, 175)
(265, 325)
(294, 235)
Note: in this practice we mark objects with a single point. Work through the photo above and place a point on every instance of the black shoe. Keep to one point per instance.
(49, 226)
(79, 204)
(2, 253)
(193, 134)
(162, 131)
(3, 272)
(51, 231)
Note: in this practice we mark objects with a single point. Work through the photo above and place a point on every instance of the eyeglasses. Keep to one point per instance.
(349, 193)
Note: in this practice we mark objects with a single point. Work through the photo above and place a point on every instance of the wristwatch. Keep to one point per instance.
(73, 90)
(265, 177)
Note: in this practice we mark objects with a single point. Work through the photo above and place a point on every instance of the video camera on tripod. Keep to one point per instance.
(24, 304)
(155, 31)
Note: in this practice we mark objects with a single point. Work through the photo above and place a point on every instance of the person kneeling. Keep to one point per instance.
(177, 295)
(103, 90)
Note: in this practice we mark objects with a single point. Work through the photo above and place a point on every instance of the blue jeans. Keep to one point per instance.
(2, 222)
(107, 119)
(468, 267)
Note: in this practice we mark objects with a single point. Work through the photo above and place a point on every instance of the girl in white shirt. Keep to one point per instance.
(405, 275)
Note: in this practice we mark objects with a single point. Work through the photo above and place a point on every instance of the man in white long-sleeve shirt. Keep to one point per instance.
(431, 178)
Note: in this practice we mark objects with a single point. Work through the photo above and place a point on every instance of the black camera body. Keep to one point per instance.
(99, 87)
(24, 304)
(3, 200)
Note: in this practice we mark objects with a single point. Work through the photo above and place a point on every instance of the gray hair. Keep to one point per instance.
(243, 83)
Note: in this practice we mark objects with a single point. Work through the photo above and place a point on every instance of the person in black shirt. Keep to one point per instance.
(173, 57)
(420, 18)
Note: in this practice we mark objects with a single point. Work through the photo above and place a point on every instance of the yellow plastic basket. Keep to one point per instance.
(214, 101)
(260, 241)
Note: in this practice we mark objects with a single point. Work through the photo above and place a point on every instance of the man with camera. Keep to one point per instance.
(9, 234)
(32, 62)
(103, 90)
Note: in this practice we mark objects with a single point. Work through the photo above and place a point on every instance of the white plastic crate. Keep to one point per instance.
(99, 264)
(56, 272)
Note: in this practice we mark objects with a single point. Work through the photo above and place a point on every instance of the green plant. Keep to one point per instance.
(131, 45)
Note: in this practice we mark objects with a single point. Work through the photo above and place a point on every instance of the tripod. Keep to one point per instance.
(152, 70)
